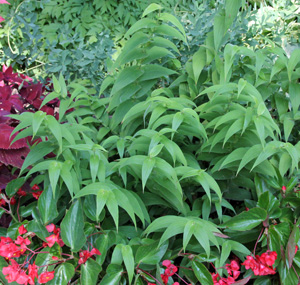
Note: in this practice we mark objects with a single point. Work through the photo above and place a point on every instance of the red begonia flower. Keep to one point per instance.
(35, 187)
(37, 194)
(46, 277)
(22, 230)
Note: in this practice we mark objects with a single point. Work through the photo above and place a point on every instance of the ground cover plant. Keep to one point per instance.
(183, 169)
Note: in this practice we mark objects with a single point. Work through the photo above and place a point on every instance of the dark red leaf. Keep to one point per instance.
(14, 157)
(5, 139)
(5, 92)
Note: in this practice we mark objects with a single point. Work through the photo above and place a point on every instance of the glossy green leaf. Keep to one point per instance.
(63, 274)
(47, 205)
(128, 261)
(13, 186)
(247, 220)
(72, 225)
(202, 273)
(90, 272)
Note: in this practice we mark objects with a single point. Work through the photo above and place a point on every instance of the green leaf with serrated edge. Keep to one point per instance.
(147, 168)
(246, 220)
(90, 272)
(36, 153)
(202, 273)
(47, 205)
(63, 274)
(151, 8)
(72, 225)
(127, 255)
(56, 84)
(13, 186)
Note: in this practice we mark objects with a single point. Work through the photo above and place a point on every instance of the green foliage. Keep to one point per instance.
(164, 163)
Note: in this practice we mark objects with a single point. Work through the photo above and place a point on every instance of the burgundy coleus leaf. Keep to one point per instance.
(32, 94)
(14, 157)
(48, 110)
(11, 77)
(17, 103)
(5, 139)
(5, 92)
(3, 116)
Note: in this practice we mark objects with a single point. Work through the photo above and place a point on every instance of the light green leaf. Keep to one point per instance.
(151, 8)
(147, 167)
(128, 261)
(202, 273)
(199, 61)
(72, 226)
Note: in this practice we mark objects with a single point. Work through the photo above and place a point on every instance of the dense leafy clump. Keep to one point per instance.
(182, 169)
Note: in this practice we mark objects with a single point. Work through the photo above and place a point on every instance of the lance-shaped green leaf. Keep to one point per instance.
(147, 167)
(56, 84)
(151, 8)
(128, 261)
(37, 120)
(54, 172)
(177, 225)
(247, 220)
(202, 273)
(36, 153)
(55, 129)
(150, 253)
(72, 225)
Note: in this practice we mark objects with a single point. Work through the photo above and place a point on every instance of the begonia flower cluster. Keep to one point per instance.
(263, 264)
(21, 273)
(233, 270)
